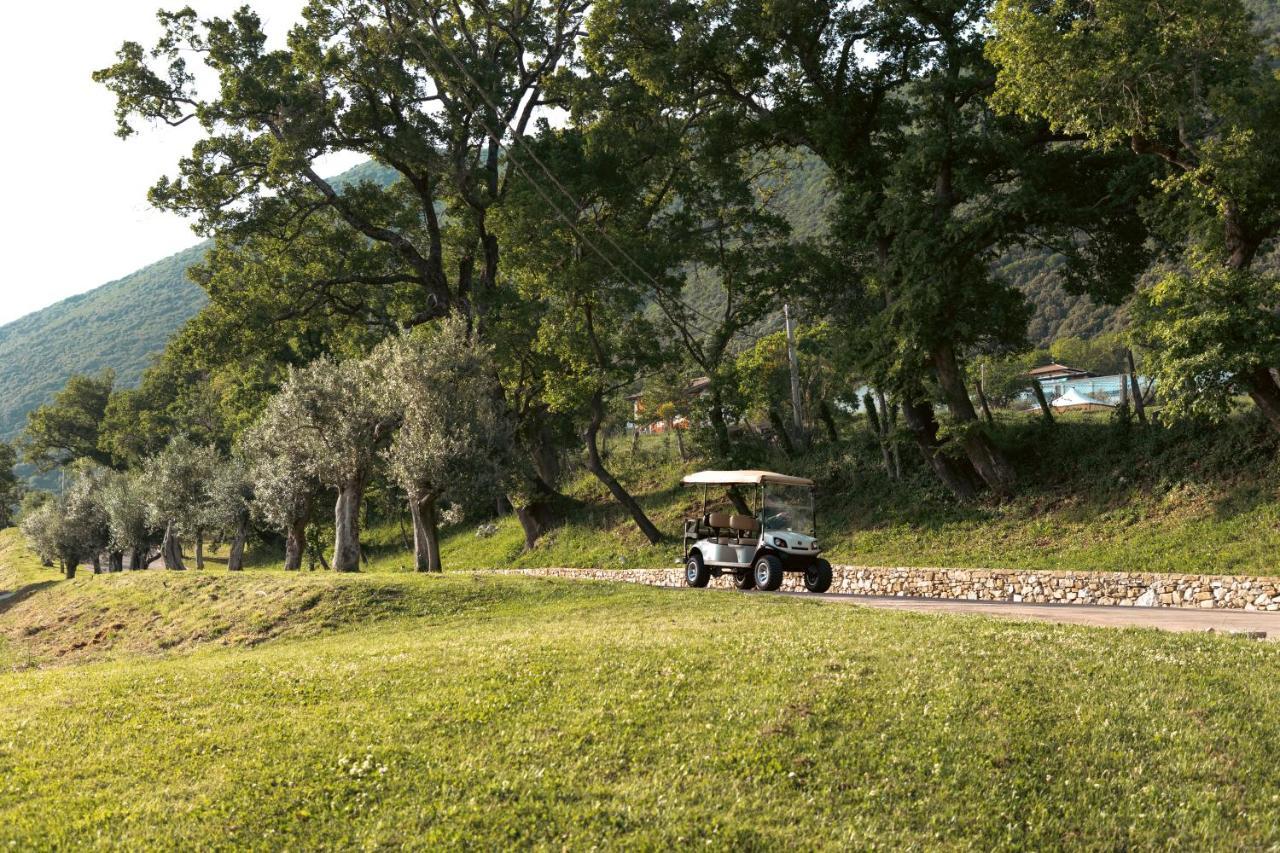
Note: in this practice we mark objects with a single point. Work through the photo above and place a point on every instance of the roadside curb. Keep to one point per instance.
(1119, 589)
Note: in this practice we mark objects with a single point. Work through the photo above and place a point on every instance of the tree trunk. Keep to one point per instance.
(137, 559)
(684, 456)
(879, 431)
(719, 427)
(426, 542)
(536, 516)
(97, 563)
(889, 417)
(1262, 388)
(199, 549)
(235, 560)
(69, 569)
(829, 421)
(956, 474)
(987, 459)
(295, 545)
(780, 428)
(986, 407)
(171, 549)
(1139, 405)
(596, 466)
(346, 523)
(1045, 410)
(115, 561)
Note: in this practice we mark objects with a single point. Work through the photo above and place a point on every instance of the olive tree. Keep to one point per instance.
(226, 507)
(72, 527)
(85, 519)
(284, 489)
(338, 416)
(42, 526)
(177, 483)
(125, 503)
(452, 433)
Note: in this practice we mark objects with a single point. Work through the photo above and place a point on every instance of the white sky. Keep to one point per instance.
(75, 212)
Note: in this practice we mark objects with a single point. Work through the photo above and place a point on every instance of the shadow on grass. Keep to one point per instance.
(22, 593)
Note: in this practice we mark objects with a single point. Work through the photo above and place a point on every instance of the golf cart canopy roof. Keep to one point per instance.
(743, 478)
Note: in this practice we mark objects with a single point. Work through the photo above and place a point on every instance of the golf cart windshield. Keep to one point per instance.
(789, 508)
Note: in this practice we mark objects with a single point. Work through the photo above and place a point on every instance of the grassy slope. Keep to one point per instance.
(1095, 498)
(564, 714)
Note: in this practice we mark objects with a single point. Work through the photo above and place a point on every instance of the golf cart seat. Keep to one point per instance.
(746, 527)
(721, 524)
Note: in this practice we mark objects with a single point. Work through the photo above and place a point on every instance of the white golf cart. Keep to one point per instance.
(755, 545)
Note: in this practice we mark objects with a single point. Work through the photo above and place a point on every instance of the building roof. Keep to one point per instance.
(743, 478)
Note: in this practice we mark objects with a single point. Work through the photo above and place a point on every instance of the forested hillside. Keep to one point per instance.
(118, 326)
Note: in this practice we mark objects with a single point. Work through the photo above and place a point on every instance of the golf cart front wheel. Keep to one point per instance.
(768, 573)
(696, 573)
(817, 578)
(744, 579)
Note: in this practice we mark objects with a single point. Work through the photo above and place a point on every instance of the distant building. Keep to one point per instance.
(1057, 373)
(1055, 378)
(696, 388)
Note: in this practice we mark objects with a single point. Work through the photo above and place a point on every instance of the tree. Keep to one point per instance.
(67, 428)
(226, 507)
(124, 500)
(453, 434)
(284, 487)
(42, 527)
(1180, 84)
(72, 527)
(932, 185)
(178, 479)
(592, 330)
(435, 90)
(339, 418)
(11, 489)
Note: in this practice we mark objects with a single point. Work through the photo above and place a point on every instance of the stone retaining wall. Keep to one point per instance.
(1107, 588)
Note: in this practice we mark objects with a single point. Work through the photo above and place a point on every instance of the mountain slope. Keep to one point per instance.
(119, 325)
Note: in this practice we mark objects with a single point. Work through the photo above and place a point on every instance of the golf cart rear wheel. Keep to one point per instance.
(768, 573)
(744, 579)
(817, 578)
(696, 573)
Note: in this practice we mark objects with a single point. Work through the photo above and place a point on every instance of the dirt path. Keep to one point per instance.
(1165, 618)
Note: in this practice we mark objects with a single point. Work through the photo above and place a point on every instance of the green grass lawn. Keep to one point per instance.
(483, 711)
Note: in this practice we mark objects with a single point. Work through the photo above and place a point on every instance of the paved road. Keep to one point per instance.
(1166, 618)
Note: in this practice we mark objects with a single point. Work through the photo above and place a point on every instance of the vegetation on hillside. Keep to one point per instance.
(119, 327)
(691, 223)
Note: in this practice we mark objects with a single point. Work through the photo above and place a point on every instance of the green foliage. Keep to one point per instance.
(118, 327)
(1103, 355)
(1182, 84)
(1203, 326)
(452, 439)
(11, 490)
(67, 429)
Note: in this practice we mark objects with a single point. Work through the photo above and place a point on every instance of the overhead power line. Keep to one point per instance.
(497, 138)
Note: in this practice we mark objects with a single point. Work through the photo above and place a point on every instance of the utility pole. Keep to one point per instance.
(795, 372)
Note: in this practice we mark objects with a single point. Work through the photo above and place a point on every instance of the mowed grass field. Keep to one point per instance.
(275, 711)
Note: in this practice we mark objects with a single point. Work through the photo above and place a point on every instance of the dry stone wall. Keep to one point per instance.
(1123, 589)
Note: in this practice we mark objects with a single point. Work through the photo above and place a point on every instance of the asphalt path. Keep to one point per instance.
(1259, 625)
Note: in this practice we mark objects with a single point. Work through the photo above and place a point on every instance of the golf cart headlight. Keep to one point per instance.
(779, 541)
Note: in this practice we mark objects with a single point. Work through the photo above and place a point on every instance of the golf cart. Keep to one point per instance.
(754, 545)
